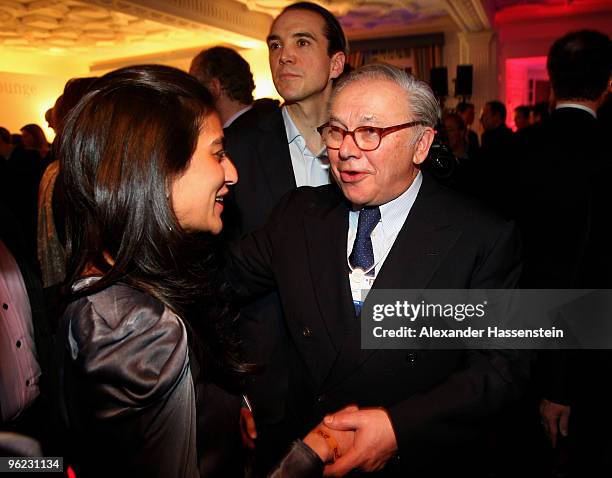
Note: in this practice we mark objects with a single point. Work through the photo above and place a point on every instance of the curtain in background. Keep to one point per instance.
(418, 61)
(426, 58)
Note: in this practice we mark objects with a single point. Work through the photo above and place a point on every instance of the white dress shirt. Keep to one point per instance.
(236, 115)
(577, 106)
(308, 169)
(392, 217)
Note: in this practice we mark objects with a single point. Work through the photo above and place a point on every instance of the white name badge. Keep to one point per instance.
(360, 284)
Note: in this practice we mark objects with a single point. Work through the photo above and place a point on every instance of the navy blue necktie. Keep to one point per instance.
(362, 255)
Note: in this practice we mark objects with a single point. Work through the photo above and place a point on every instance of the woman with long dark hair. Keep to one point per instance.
(144, 173)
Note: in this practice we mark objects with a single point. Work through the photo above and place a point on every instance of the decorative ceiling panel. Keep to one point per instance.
(365, 14)
(109, 29)
(104, 28)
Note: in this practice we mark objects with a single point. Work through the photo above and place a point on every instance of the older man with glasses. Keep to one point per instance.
(385, 224)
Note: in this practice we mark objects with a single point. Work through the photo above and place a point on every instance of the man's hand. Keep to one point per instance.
(248, 431)
(321, 446)
(555, 418)
(374, 444)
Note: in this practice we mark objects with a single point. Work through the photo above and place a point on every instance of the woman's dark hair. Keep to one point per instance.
(121, 146)
(74, 90)
(336, 40)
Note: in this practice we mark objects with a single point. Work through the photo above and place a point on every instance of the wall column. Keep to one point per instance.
(480, 50)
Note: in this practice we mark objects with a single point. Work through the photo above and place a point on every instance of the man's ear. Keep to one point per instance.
(214, 86)
(336, 65)
(422, 146)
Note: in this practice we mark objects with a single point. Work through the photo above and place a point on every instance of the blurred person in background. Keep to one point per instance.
(468, 114)
(33, 139)
(22, 170)
(539, 113)
(50, 230)
(564, 217)
(521, 117)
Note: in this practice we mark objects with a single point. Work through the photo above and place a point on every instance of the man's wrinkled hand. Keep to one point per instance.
(555, 419)
(374, 442)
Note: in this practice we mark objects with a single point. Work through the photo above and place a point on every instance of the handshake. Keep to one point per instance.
(348, 439)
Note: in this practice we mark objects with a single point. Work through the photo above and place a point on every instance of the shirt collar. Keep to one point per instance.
(290, 128)
(394, 213)
(293, 134)
(577, 106)
(236, 115)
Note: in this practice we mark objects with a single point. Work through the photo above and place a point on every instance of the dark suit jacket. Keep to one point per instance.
(435, 398)
(257, 144)
(565, 200)
(564, 219)
(493, 173)
(24, 170)
(473, 143)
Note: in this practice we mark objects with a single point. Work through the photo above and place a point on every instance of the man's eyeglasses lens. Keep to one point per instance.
(366, 138)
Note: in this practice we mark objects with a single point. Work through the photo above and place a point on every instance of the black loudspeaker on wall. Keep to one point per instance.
(439, 81)
(463, 83)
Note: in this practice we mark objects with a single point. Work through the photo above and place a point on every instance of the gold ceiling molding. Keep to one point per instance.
(103, 30)
(470, 15)
(106, 30)
(227, 15)
(368, 9)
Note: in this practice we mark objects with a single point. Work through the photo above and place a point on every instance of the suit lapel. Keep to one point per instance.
(326, 233)
(274, 156)
(420, 247)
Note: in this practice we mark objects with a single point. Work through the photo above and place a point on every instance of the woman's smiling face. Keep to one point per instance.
(197, 194)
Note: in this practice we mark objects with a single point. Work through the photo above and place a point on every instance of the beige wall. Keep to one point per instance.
(258, 61)
(30, 84)
(25, 98)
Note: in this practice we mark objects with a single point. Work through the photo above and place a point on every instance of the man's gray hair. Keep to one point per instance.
(421, 100)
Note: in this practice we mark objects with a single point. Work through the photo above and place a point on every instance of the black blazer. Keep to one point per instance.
(564, 219)
(257, 144)
(435, 398)
(565, 200)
